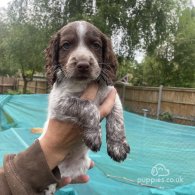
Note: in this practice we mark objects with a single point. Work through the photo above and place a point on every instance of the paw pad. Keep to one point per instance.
(118, 151)
(92, 139)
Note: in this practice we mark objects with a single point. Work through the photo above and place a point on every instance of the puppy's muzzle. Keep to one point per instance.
(83, 70)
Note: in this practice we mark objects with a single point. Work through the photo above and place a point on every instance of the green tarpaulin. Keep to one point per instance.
(162, 159)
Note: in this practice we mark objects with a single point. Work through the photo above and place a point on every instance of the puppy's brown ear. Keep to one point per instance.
(52, 57)
(110, 62)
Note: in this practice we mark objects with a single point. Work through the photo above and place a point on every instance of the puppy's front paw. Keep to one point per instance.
(90, 123)
(92, 138)
(118, 150)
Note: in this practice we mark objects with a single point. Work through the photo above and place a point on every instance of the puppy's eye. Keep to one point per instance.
(66, 45)
(97, 45)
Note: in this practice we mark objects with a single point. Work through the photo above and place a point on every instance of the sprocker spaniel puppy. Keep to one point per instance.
(78, 54)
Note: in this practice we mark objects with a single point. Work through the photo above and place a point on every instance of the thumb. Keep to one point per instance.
(90, 92)
(106, 107)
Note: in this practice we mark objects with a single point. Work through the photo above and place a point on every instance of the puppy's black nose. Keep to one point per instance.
(82, 66)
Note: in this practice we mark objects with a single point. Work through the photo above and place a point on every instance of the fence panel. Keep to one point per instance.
(178, 102)
(7, 83)
(35, 86)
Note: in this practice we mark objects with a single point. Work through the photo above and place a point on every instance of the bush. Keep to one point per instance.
(166, 116)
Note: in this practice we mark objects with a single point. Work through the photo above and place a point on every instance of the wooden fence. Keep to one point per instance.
(179, 103)
(7, 83)
(35, 86)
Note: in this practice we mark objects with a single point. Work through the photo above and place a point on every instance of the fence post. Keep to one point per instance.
(159, 100)
(35, 86)
(46, 87)
(123, 94)
(15, 84)
(2, 84)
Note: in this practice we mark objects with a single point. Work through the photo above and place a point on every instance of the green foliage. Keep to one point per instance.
(166, 116)
(174, 63)
(125, 67)
(5, 64)
(25, 47)
(13, 92)
(156, 71)
(138, 79)
(149, 21)
(132, 69)
(148, 24)
(184, 50)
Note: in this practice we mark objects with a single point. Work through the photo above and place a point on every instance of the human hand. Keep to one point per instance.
(107, 105)
(61, 136)
(80, 179)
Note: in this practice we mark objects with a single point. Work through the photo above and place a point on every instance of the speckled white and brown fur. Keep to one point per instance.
(85, 55)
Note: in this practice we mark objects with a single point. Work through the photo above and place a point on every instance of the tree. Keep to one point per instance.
(184, 50)
(173, 63)
(5, 64)
(25, 49)
(156, 71)
(23, 42)
(144, 23)
(132, 24)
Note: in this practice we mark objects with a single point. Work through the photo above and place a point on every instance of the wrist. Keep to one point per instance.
(58, 141)
(52, 155)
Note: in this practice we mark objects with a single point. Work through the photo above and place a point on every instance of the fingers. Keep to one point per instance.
(91, 165)
(80, 179)
(64, 181)
(67, 180)
(90, 92)
(108, 104)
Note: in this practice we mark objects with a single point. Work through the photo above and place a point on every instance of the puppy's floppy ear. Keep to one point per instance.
(52, 57)
(110, 62)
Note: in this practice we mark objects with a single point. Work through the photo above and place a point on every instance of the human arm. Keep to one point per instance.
(29, 172)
